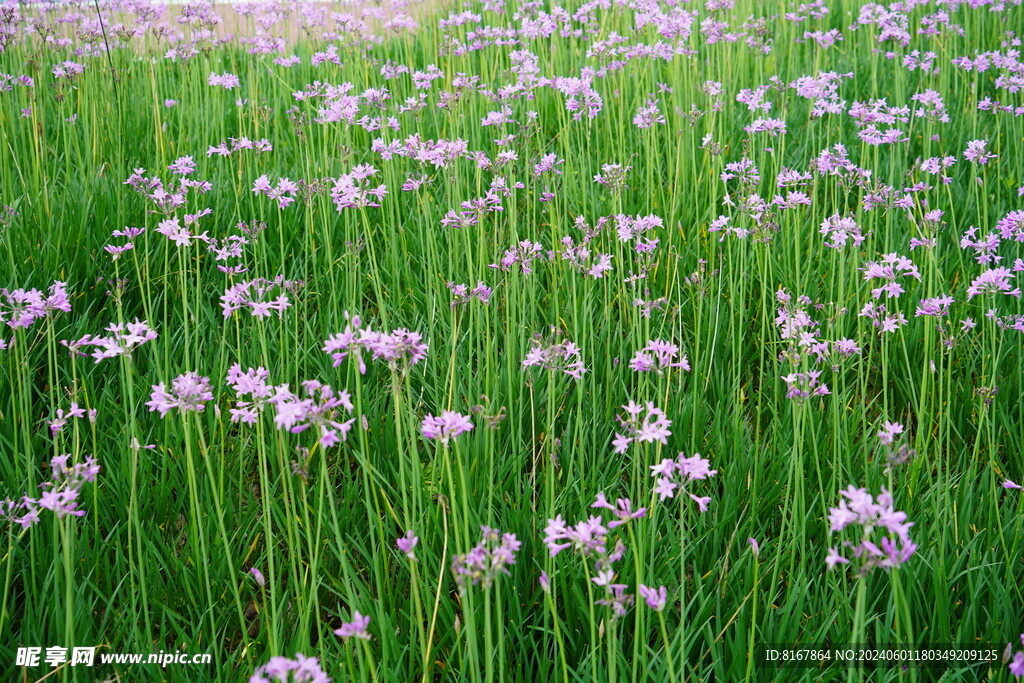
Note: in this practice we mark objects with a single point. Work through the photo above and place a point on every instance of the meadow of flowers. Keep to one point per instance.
(510, 340)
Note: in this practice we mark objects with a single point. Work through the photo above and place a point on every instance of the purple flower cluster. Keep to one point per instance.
(446, 426)
(558, 356)
(189, 392)
(462, 294)
(397, 349)
(20, 308)
(225, 80)
(487, 560)
(654, 426)
(351, 191)
(888, 269)
(60, 494)
(522, 254)
(884, 540)
(355, 628)
(167, 198)
(320, 409)
(897, 454)
(657, 356)
(407, 544)
(302, 669)
(283, 193)
(232, 145)
(839, 230)
(883, 320)
(260, 296)
(74, 411)
(804, 385)
(993, 281)
(123, 338)
(117, 250)
(590, 538)
(673, 475)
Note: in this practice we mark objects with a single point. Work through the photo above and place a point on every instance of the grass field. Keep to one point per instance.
(511, 341)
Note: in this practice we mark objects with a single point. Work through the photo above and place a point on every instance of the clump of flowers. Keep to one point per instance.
(252, 386)
(657, 356)
(74, 411)
(888, 433)
(590, 538)
(320, 409)
(189, 392)
(883, 320)
(977, 152)
(559, 356)
(613, 176)
(582, 259)
(897, 452)
(129, 233)
(446, 426)
(302, 669)
(884, 539)
(22, 307)
(172, 229)
(987, 394)
(676, 475)
(60, 494)
(260, 296)
(485, 562)
(803, 332)
(654, 426)
(225, 80)
(122, 340)
(648, 115)
(890, 267)
(167, 198)
(793, 321)
(462, 294)
(238, 144)
(351, 191)
(398, 349)
(936, 306)
(839, 230)
(283, 193)
(803, 385)
(523, 254)
(348, 343)
(993, 281)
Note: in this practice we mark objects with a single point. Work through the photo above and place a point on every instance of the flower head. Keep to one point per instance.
(487, 560)
(654, 597)
(189, 392)
(355, 628)
(448, 425)
(407, 544)
(302, 669)
(884, 540)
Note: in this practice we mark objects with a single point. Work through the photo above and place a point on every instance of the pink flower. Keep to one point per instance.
(407, 544)
(654, 597)
(448, 425)
(355, 628)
